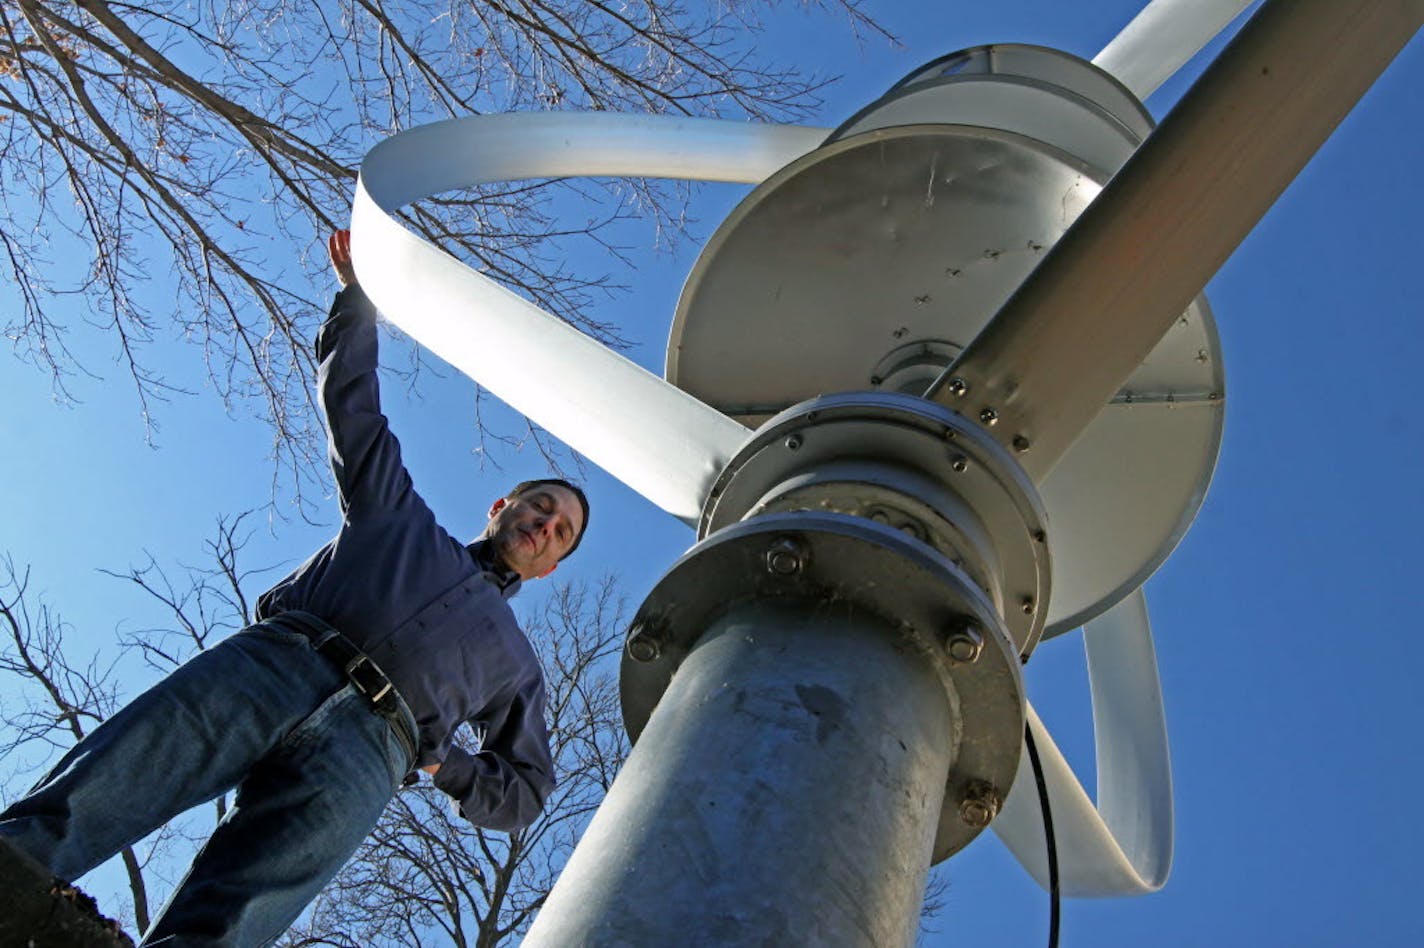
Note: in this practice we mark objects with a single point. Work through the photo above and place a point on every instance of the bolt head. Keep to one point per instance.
(1028, 606)
(958, 387)
(988, 416)
(964, 645)
(793, 442)
(980, 805)
(1021, 444)
(976, 813)
(785, 557)
(643, 645)
(959, 463)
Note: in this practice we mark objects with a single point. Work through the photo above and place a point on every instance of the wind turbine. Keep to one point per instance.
(952, 457)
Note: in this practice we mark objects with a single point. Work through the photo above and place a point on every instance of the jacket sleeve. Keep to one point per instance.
(365, 456)
(504, 786)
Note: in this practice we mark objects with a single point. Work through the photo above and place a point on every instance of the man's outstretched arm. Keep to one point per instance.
(365, 456)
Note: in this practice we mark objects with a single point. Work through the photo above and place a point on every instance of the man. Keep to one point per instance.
(363, 664)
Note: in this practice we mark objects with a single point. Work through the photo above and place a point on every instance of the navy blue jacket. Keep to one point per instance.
(418, 601)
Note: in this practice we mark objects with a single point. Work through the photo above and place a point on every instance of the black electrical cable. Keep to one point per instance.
(1053, 897)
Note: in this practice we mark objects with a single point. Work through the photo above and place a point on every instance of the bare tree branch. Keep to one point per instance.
(166, 147)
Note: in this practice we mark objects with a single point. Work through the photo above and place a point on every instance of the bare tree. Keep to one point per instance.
(176, 143)
(205, 603)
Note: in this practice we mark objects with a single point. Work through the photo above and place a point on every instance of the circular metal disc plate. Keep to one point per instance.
(921, 233)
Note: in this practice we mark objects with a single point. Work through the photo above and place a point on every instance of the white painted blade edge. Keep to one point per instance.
(1162, 38)
(1123, 846)
(662, 442)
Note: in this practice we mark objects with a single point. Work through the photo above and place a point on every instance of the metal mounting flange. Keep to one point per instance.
(830, 560)
(912, 464)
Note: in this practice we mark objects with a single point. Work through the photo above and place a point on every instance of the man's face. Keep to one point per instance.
(533, 531)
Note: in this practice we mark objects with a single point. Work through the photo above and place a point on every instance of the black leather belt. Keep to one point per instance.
(365, 675)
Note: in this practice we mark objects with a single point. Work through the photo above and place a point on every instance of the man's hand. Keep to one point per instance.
(431, 768)
(338, 245)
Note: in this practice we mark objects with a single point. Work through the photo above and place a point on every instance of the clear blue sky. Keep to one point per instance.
(1286, 621)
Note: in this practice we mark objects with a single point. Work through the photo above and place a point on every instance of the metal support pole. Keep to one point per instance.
(785, 791)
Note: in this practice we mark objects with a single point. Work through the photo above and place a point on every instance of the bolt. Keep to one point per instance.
(875, 380)
(989, 417)
(957, 386)
(1021, 444)
(960, 464)
(879, 515)
(1028, 606)
(643, 643)
(793, 441)
(964, 644)
(785, 557)
(912, 530)
(1039, 536)
(980, 805)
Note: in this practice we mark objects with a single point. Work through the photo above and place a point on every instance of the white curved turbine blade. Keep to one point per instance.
(1122, 846)
(1161, 39)
(658, 440)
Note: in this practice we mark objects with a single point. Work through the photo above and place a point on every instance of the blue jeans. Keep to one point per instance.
(312, 763)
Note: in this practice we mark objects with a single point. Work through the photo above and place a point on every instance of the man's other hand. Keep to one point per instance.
(338, 245)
